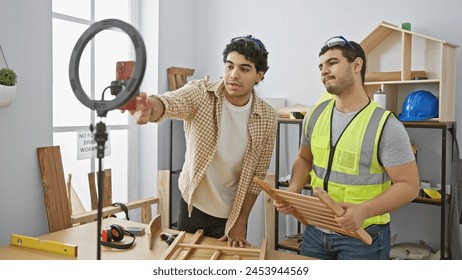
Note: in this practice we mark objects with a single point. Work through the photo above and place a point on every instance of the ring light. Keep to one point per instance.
(102, 106)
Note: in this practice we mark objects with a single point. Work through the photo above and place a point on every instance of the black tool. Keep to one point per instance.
(168, 238)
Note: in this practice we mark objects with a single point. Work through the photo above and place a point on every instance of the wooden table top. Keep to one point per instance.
(85, 237)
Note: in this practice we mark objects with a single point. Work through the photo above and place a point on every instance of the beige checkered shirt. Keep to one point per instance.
(199, 104)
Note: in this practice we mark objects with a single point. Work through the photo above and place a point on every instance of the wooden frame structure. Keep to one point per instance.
(177, 77)
(180, 249)
(410, 55)
(319, 210)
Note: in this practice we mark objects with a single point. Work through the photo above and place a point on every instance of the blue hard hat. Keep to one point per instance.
(418, 106)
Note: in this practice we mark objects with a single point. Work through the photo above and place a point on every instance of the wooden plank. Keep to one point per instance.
(275, 195)
(406, 56)
(93, 192)
(215, 255)
(54, 188)
(69, 191)
(107, 187)
(392, 76)
(183, 255)
(339, 211)
(180, 71)
(76, 206)
(219, 248)
(179, 81)
(270, 220)
(311, 215)
(171, 82)
(270, 216)
(177, 77)
(374, 38)
(154, 225)
(447, 88)
(299, 198)
(263, 248)
(146, 213)
(163, 192)
(110, 210)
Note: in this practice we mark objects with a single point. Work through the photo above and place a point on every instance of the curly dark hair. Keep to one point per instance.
(251, 48)
(349, 53)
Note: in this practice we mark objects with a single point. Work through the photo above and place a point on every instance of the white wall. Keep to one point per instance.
(176, 48)
(25, 36)
(294, 31)
(147, 148)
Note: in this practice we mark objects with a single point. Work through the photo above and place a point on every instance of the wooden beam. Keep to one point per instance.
(110, 210)
(184, 254)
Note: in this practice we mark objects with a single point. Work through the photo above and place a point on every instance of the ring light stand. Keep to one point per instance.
(103, 106)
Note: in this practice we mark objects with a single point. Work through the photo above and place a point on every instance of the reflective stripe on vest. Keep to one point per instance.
(353, 174)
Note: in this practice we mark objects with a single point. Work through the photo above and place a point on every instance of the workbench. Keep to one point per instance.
(85, 238)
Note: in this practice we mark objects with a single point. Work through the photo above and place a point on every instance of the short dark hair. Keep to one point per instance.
(251, 48)
(350, 54)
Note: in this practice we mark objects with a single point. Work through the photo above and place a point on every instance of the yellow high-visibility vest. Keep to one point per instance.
(350, 170)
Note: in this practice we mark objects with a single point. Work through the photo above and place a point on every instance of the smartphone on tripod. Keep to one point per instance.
(124, 70)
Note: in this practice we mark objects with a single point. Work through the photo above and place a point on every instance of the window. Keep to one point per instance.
(97, 69)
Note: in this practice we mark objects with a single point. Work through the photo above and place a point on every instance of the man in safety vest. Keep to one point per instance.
(359, 153)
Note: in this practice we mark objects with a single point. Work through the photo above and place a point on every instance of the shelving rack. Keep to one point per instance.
(443, 126)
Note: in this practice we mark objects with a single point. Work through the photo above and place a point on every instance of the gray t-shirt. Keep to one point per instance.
(395, 145)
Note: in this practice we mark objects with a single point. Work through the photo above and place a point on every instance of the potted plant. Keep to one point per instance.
(7, 86)
(7, 83)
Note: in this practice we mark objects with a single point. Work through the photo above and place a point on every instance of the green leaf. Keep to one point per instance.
(7, 77)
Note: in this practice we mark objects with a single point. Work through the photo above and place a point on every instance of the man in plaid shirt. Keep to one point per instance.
(230, 134)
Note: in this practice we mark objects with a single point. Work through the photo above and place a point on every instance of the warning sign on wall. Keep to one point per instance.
(87, 146)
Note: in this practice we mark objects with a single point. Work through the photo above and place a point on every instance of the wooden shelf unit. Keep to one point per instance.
(390, 50)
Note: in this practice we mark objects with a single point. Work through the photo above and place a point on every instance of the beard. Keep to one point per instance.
(345, 82)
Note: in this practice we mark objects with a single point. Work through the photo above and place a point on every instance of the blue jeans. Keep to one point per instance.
(321, 245)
